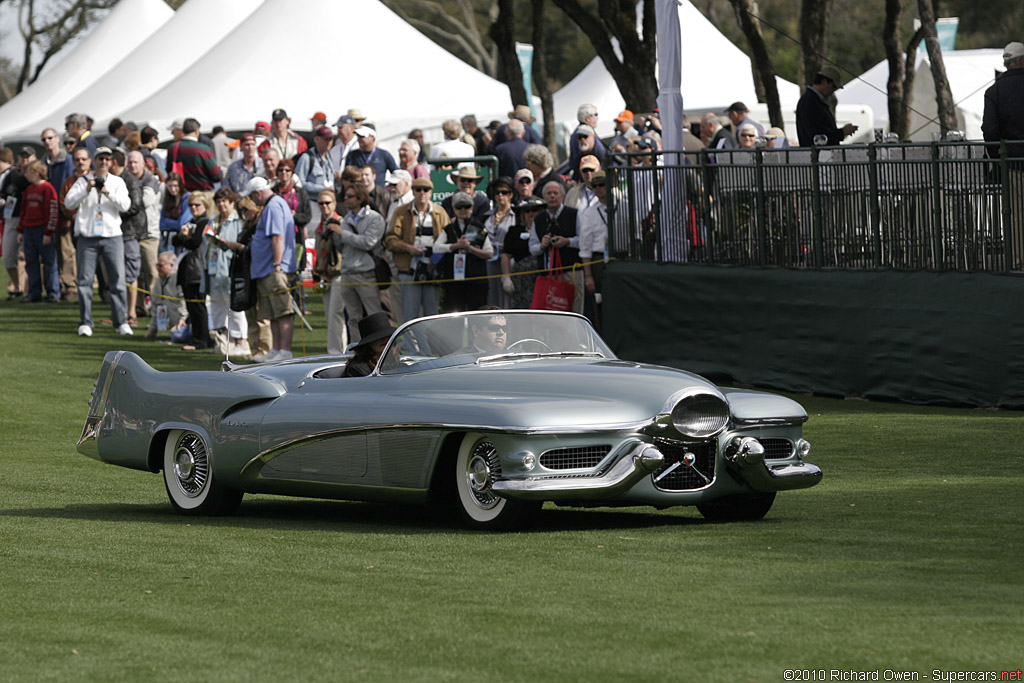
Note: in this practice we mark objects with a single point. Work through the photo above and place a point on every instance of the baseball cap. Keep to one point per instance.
(624, 115)
(423, 182)
(1013, 51)
(247, 137)
(99, 151)
(324, 132)
(461, 200)
(256, 184)
(28, 151)
(279, 114)
(584, 129)
(524, 173)
(399, 176)
(342, 120)
(364, 131)
(591, 162)
(176, 124)
(318, 115)
(261, 124)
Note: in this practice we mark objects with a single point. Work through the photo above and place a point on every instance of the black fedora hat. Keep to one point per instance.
(374, 328)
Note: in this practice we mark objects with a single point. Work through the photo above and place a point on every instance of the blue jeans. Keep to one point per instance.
(36, 251)
(417, 297)
(111, 250)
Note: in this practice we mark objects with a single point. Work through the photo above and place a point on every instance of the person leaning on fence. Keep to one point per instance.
(1004, 120)
(410, 238)
(356, 238)
(814, 116)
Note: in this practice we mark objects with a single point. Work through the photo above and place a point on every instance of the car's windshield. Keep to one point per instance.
(490, 337)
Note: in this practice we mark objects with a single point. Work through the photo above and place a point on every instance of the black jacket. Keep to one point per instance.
(190, 265)
(565, 226)
(1004, 112)
(813, 117)
(133, 221)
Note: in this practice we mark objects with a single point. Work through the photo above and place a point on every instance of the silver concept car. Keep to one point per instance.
(493, 411)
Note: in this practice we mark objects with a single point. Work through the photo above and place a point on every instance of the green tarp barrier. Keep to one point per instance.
(948, 338)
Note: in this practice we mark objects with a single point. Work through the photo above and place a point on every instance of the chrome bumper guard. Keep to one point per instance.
(87, 444)
(749, 460)
(639, 463)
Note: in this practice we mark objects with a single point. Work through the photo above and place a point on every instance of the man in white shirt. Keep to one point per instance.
(100, 198)
(345, 143)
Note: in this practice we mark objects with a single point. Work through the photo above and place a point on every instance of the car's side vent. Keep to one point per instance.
(574, 458)
(776, 448)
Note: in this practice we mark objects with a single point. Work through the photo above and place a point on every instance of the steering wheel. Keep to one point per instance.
(523, 341)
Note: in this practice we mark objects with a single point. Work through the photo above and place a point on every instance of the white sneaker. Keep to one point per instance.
(84, 331)
(283, 355)
(239, 350)
(267, 357)
(125, 328)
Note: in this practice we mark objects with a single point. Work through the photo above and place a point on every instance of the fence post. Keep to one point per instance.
(1009, 249)
(761, 208)
(708, 213)
(816, 237)
(613, 195)
(938, 262)
(875, 204)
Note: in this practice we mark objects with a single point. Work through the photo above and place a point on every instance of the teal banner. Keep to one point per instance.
(525, 52)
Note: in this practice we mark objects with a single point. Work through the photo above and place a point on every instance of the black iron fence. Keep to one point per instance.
(938, 206)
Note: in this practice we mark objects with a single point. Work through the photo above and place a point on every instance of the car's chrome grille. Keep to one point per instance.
(777, 448)
(684, 477)
(574, 458)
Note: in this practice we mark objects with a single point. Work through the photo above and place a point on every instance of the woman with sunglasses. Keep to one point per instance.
(524, 186)
(327, 267)
(518, 266)
(192, 267)
(497, 225)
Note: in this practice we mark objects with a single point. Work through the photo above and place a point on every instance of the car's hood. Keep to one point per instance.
(540, 393)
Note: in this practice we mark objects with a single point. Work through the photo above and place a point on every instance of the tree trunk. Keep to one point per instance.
(634, 73)
(540, 76)
(764, 71)
(943, 94)
(508, 70)
(814, 16)
(902, 127)
(894, 56)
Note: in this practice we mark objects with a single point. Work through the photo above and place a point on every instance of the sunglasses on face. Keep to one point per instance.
(747, 135)
(325, 203)
(421, 189)
(494, 328)
(197, 204)
(524, 181)
(597, 185)
(503, 192)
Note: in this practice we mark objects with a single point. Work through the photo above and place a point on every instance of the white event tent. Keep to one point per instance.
(398, 77)
(128, 25)
(715, 73)
(138, 75)
(970, 73)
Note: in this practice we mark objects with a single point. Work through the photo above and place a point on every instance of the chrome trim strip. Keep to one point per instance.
(770, 421)
(749, 459)
(630, 469)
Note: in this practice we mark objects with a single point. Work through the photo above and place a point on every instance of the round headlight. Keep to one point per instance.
(700, 415)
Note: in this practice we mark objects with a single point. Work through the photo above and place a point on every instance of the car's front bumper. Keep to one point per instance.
(749, 461)
(627, 471)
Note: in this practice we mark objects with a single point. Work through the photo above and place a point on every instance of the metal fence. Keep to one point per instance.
(939, 206)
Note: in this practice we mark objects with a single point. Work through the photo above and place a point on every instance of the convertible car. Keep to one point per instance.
(493, 411)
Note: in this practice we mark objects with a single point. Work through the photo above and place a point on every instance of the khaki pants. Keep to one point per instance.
(68, 262)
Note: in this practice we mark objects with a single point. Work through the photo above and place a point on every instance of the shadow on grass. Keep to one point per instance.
(357, 517)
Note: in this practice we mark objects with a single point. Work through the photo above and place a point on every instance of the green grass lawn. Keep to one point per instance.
(908, 556)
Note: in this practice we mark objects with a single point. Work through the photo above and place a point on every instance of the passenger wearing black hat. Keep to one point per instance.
(374, 332)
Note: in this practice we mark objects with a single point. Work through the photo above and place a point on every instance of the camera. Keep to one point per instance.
(99, 183)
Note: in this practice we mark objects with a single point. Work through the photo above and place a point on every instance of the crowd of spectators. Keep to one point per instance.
(159, 231)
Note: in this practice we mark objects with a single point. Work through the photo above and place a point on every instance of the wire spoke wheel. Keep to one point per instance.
(477, 467)
(189, 478)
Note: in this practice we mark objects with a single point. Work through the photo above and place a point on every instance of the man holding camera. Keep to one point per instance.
(410, 237)
(100, 198)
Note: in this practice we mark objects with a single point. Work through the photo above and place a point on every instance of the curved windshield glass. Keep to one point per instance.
(490, 337)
